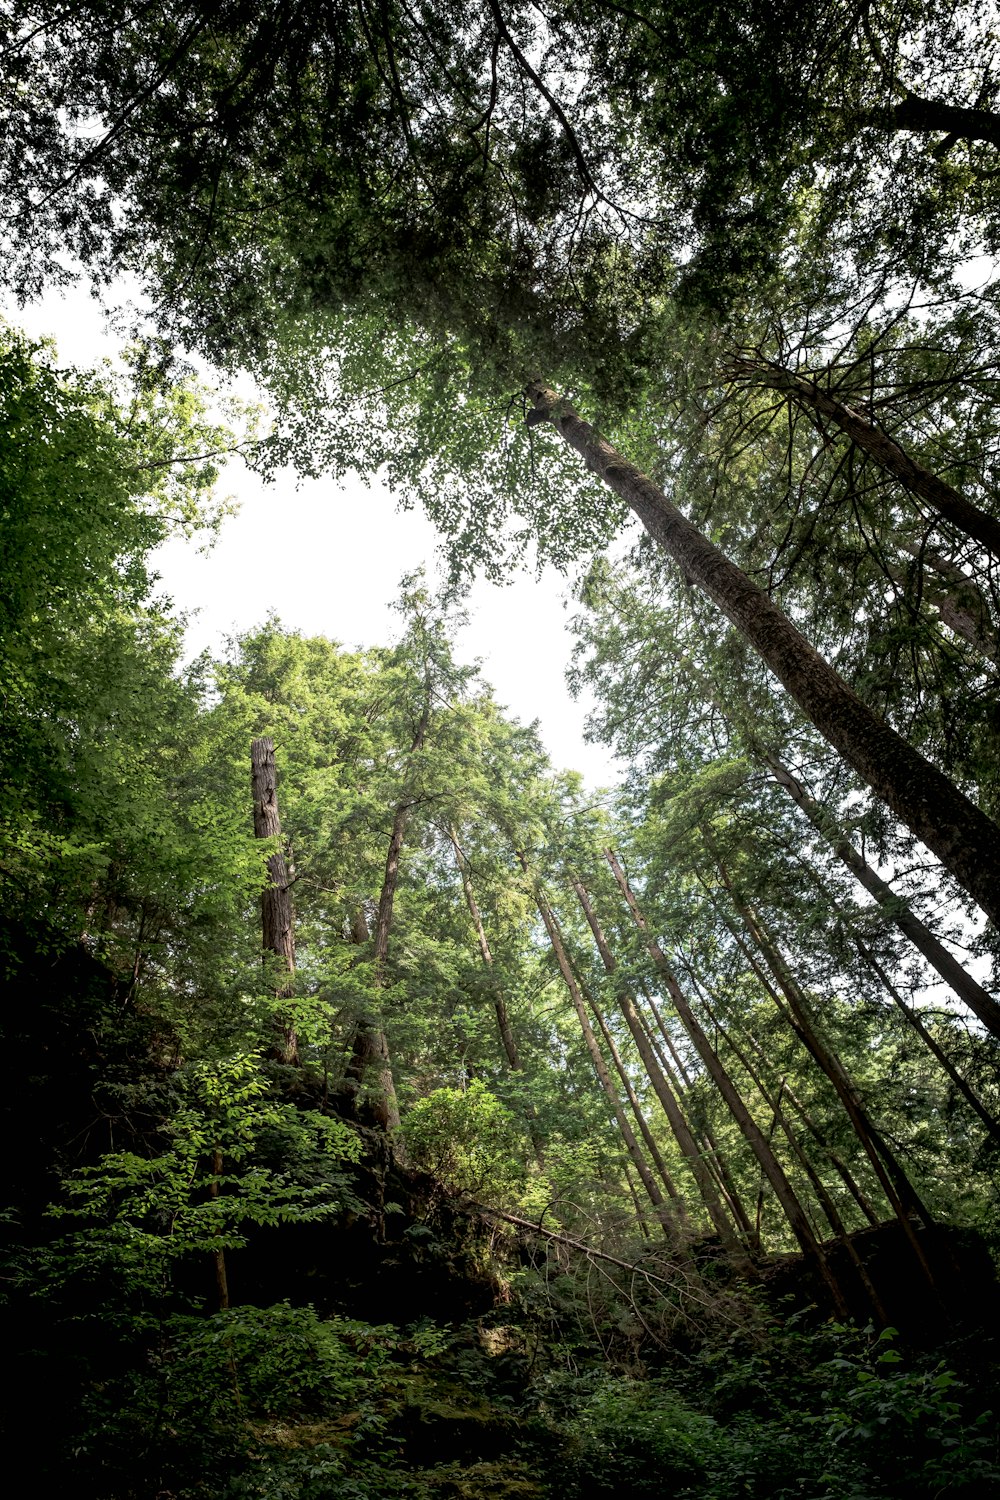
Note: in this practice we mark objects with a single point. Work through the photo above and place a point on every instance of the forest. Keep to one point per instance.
(390, 1114)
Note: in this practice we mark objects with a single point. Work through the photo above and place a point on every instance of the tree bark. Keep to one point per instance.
(894, 907)
(277, 918)
(963, 838)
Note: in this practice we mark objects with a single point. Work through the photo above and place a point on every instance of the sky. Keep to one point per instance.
(327, 557)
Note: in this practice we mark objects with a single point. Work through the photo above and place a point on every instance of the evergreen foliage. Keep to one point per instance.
(640, 1143)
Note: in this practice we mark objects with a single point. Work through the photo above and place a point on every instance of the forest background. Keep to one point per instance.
(392, 1115)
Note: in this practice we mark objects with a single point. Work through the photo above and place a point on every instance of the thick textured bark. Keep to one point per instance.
(499, 1004)
(766, 1159)
(943, 498)
(277, 919)
(963, 838)
(979, 1001)
(967, 1092)
(600, 1066)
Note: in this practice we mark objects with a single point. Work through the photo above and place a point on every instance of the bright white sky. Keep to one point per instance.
(327, 559)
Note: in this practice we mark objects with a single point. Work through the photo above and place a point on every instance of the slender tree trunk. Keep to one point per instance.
(835, 1160)
(894, 907)
(640, 1212)
(826, 1203)
(903, 1197)
(752, 1132)
(499, 1004)
(649, 1139)
(899, 1189)
(708, 1153)
(600, 1067)
(962, 837)
(654, 1072)
(218, 1256)
(967, 1092)
(277, 920)
(949, 504)
(370, 1050)
(661, 1086)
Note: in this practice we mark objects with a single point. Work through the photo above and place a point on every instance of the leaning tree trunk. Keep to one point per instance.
(655, 1155)
(963, 838)
(681, 1086)
(836, 1161)
(277, 918)
(826, 1203)
(964, 1088)
(760, 1146)
(900, 1192)
(499, 1003)
(369, 1048)
(653, 1192)
(661, 1087)
(946, 501)
(895, 909)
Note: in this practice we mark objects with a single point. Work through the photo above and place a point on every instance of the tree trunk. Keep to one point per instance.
(826, 1203)
(933, 117)
(947, 502)
(218, 1256)
(967, 1092)
(669, 1102)
(894, 907)
(277, 920)
(600, 1067)
(959, 600)
(752, 1132)
(677, 1201)
(903, 1197)
(839, 1166)
(963, 838)
(369, 1050)
(499, 1004)
(709, 1151)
